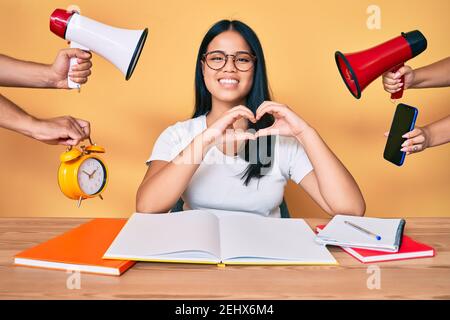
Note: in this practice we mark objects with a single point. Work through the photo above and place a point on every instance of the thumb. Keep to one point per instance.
(85, 126)
(75, 53)
(386, 134)
(401, 72)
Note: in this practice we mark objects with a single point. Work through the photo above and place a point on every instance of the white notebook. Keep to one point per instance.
(200, 236)
(341, 231)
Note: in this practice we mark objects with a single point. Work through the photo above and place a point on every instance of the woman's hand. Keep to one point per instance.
(392, 81)
(287, 122)
(230, 127)
(417, 140)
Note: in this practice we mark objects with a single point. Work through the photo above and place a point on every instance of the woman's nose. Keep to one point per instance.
(229, 65)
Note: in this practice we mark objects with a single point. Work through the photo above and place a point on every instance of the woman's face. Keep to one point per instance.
(228, 84)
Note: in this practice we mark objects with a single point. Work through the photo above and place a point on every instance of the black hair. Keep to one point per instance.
(263, 147)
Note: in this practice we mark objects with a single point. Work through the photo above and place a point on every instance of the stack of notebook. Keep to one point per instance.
(372, 239)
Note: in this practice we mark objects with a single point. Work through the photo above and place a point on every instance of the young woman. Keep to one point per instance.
(240, 148)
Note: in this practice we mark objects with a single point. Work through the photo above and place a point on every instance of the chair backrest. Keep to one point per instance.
(284, 211)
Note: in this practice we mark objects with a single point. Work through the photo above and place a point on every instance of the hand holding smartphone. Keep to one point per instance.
(404, 121)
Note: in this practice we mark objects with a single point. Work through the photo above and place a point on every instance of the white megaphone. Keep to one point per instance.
(122, 47)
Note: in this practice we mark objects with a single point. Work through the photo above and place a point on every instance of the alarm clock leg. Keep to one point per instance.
(79, 201)
(100, 196)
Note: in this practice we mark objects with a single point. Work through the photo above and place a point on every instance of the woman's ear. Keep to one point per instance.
(203, 68)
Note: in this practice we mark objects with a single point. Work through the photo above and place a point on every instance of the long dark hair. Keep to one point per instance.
(262, 150)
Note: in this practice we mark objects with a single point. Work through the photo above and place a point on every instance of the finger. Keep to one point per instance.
(239, 114)
(390, 80)
(413, 133)
(244, 136)
(82, 65)
(388, 76)
(401, 72)
(67, 142)
(246, 110)
(79, 80)
(390, 90)
(413, 149)
(264, 105)
(393, 86)
(80, 74)
(265, 132)
(413, 141)
(85, 126)
(76, 53)
(386, 134)
(76, 127)
(278, 109)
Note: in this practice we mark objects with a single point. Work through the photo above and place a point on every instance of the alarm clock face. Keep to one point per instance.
(91, 176)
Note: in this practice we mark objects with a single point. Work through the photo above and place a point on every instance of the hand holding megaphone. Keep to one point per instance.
(71, 64)
(122, 47)
(396, 82)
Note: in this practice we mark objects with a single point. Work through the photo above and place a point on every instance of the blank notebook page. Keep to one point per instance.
(249, 238)
(147, 235)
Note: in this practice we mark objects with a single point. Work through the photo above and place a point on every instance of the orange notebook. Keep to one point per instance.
(79, 249)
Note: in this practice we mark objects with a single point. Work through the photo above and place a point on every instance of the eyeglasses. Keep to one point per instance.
(216, 60)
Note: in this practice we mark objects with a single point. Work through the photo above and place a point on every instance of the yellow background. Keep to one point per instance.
(299, 41)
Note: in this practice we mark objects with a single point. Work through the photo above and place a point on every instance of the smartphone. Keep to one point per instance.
(404, 120)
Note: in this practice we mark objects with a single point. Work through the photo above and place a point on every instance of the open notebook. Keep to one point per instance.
(200, 236)
(341, 231)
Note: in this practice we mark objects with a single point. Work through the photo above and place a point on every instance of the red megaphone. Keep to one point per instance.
(359, 69)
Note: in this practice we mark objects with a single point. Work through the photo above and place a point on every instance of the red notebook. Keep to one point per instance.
(79, 249)
(409, 249)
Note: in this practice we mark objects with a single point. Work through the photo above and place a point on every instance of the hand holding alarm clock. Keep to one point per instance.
(82, 173)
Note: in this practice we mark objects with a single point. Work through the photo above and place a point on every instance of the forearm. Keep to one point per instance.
(159, 192)
(433, 75)
(14, 118)
(17, 73)
(336, 184)
(438, 132)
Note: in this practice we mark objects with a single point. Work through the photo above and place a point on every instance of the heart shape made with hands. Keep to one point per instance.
(284, 120)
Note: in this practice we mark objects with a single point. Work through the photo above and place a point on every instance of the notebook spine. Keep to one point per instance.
(399, 235)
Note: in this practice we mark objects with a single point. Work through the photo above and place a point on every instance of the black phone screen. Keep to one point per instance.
(403, 122)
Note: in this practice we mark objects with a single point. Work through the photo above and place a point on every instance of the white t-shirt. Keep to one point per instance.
(217, 183)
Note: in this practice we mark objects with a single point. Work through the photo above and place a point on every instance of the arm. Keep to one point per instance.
(165, 182)
(61, 130)
(18, 73)
(433, 75)
(329, 184)
(438, 132)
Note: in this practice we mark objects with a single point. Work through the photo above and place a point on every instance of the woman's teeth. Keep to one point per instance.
(228, 81)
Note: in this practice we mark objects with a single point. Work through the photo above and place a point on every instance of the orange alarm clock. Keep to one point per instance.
(82, 173)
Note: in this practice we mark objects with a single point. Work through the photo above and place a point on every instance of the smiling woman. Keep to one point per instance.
(240, 149)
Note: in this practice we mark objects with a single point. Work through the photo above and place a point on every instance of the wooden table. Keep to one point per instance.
(427, 278)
